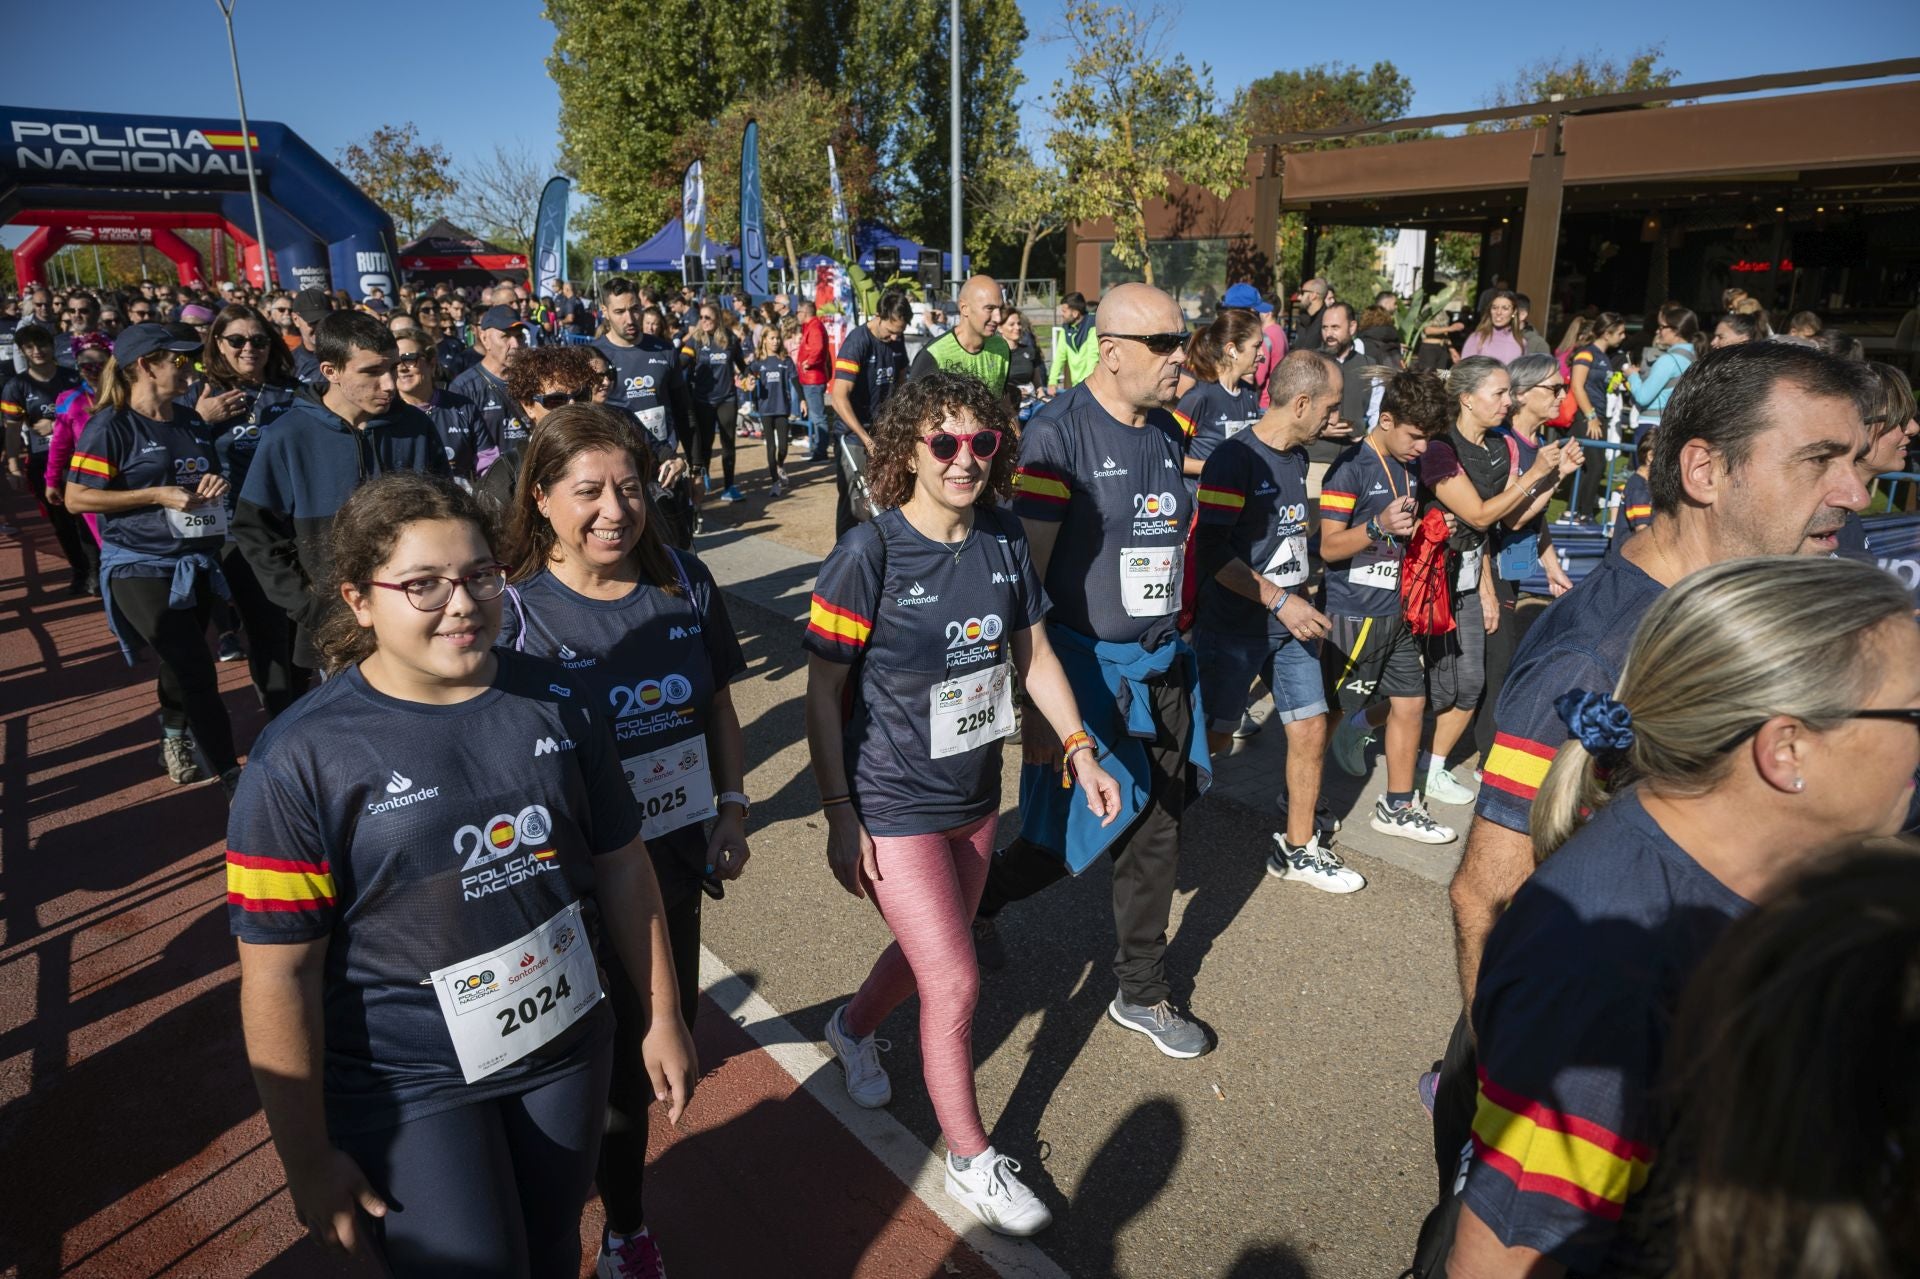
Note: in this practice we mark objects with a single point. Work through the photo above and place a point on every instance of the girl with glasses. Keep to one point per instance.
(148, 468)
(646, 639)
(919, 621)
(427, 868)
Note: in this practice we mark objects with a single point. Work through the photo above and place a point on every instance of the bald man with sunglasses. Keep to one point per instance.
(1098, 490)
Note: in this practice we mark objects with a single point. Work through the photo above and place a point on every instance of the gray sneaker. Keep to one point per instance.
(1171, 1033)
(177, 754)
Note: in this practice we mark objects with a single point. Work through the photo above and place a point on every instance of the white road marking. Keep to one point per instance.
(917, 1167)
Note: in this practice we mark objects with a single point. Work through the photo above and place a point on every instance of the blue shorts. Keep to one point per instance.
(1230, 663)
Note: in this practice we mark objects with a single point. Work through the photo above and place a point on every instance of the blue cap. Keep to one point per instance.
(502, 318)
(138, 341)
(1247, 298)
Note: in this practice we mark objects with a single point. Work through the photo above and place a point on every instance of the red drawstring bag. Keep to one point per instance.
(1564, 414)
(1424, 595)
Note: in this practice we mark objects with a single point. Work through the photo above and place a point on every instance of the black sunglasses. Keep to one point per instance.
(554, 399)
(1909, 714)
(1158, 343)
(408, 361)
(945, 446)
(235, 341)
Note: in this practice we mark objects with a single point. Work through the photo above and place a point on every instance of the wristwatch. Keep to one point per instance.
(734, 797)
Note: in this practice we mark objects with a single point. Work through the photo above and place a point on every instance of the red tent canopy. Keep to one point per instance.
(446, 247)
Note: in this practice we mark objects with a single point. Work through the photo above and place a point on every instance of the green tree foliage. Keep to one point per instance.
(798, 121)
(895, 69)
(636, 75)
(1014, 199)
(403, 175)
(1581, 77)
(1328, 95)
(1132, 119)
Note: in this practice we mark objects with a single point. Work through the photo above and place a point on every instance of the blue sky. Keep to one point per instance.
(473, 73)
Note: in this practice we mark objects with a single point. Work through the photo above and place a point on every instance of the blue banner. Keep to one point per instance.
(753, 243)
(550, 240)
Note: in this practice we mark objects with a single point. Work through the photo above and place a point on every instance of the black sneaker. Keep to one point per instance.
(987, 949)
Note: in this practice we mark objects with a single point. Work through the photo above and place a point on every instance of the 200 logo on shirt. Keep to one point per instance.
(490, 861)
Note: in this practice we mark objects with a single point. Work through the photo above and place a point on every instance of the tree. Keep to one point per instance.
(403, 175)
(1329, 96)
(1016, 200)
(894, 67)
(798, 121)
(1583, 77)
(500, 196)
(1132, 119)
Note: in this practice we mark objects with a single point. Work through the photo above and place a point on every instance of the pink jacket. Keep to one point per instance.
(75, 408)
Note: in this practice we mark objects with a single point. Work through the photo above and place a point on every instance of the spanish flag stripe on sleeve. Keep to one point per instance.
(88, 464)
(1581, 357)
(841, 625)
(7, 406)
(1221, 499)
(846, 366)
(1517, 766)
(1639, 512)
(276, 884)
(1332, 503)
(1186, 423)
(1543, 1151)
(1046, 486)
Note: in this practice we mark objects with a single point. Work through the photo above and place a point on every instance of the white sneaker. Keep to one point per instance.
(867, 1082)
(988, 1189)
(1412, 822)
(1444, 788)
(1320, 867)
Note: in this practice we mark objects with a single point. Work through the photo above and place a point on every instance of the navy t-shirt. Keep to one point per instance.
(1580, 641)
(236, 441)
(649, 663)
(643, 374)
(929, 630)
(1573, 1013)
(1363, 482)
(775, 385)
(504, 420)
(1209, 415)
(1115, 491)
(463, 431)
(122, 450)
(1259, 494)
(711, 369)
(1636, 512)
(30, 400)
(873, 370)
(410, 837)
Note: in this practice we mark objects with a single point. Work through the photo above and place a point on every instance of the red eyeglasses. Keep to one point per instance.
(945, 446)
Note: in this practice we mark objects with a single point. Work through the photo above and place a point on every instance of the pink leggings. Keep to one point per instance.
(928, 888)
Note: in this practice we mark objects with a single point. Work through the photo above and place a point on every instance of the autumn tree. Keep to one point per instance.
(403, 175)
(798, 121)
(1015, 199)
(500, 196)
(1582, 77)
(1132, 119)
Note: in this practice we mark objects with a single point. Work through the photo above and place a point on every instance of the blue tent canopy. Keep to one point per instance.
(663, 253)
(870, 235)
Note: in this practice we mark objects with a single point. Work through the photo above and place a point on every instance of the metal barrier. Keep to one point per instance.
(1617, 454)
(1893, 480)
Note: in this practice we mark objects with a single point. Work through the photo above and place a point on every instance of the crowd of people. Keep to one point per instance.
(478, 513)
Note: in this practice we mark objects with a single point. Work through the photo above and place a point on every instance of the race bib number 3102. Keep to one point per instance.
(501, 1005)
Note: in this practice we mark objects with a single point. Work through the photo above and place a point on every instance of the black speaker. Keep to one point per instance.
(931, 279)
(886, 262)
(693, 268)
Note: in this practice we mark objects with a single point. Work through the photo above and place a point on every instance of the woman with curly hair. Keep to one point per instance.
(919, 620)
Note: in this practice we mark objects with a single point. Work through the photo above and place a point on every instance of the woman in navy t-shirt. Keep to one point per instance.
(919, 622)
(645, 640)
(421, 859)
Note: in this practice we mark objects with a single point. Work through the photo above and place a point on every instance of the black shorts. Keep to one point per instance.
(1370, 658)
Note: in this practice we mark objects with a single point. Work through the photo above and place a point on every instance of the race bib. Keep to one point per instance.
(1234, 428)
(501, 1005)
(970, 712)
(1150, 580)
(673, 785)
(198, 521)
(1288, 567)
(1383, 575)
(654, 421)
(1469, 575)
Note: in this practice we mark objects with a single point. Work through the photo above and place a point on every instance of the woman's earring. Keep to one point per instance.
(1799, 784)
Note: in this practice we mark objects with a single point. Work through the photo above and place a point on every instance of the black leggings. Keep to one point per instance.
(276, 680)
(189, 685)
(623, 1155)
(707, 418)
(775, 425)
(69, 530)
(493, 1188)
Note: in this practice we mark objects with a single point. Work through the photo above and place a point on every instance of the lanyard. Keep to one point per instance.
(1388, 471)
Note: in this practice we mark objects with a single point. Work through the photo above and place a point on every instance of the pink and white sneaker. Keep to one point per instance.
(636, 1257)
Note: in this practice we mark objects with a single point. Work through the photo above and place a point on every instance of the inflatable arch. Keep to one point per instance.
(321, 229)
